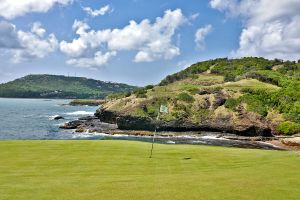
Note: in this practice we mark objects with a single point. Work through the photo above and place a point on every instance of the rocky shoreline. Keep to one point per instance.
(129, 122)
(112, 125)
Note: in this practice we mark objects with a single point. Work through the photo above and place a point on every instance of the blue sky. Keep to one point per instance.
(40, 37)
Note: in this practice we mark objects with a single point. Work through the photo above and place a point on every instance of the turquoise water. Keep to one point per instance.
(33, 118)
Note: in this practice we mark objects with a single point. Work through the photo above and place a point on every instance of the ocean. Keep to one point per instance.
(30, 119)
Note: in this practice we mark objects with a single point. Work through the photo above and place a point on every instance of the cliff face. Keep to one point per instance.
(246, 127)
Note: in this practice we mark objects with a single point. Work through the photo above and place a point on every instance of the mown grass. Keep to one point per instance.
(173, 89)
(249, 83)
(122, 170)
(94, 102)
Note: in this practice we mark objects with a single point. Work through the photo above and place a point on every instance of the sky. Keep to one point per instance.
(139, 42)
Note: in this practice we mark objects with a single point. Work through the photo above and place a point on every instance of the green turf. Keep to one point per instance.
(121, 170)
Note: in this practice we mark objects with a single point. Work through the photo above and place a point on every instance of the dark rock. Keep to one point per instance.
(106, 116)
(91, 123)
(219, 101)
(58, 117)
(253, 131)
(71, 125)
(95, 125)
(128, 122)
(125, 122)
(144, 107)
(203, 92)
(87, 118)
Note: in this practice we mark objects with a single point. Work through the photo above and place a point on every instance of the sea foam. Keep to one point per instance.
(80, 113)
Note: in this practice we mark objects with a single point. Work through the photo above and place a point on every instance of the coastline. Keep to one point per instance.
(91, 126)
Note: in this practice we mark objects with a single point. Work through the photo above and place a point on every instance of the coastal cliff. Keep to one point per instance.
(246, 97)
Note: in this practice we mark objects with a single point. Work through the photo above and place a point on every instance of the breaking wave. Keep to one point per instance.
(80, 113)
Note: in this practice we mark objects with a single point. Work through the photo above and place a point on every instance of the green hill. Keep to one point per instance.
(248, 96)
(53, 86)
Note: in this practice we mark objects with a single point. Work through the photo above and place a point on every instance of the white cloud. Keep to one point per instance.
(8, 35)
(37, 29)
(183, 64)
(143, 56)
(152, 41)
(10, 9)
(194, 16)
(99, 59)
(25, 46)
(229, 6)
(200, 36)
(34, 46)
(271, 28)
(101, 11)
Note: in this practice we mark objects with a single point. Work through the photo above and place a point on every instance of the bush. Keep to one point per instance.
(229, 77)
(193, 76)
(193, 90)
(141, 93)
(127, 94)
(288, 128)
(115, 96)
(148, 87)
(232, 103)
(256, 103)
(185, 97)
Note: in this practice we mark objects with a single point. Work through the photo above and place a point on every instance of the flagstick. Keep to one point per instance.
(153, 138)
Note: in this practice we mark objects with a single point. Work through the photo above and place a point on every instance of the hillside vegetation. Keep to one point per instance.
(223, 94)
(52, 86)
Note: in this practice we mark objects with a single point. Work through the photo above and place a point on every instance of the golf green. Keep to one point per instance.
(122, 170)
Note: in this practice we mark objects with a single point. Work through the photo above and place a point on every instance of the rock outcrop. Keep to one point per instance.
(247, 127)
(58, 117)
(92, 124)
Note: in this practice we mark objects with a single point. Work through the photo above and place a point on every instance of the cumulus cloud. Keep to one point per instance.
(25, 46)
(271, 28)
(228, 6)
(101, 11)
(152, 41)
(200, 36)
(37, 29)
(10, 9)
(98, 60)
(34, 46)
(8, 35)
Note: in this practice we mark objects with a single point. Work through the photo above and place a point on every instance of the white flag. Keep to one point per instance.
(163, 109)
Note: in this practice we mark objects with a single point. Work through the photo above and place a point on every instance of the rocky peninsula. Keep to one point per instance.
(249, 98)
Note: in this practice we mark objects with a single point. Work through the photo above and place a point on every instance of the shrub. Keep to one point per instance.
(148, 87)
(141, 93)
(193, 90)
(127, 94)
(229, 77)
(288, 128)
(256, 104)
(232, 103)
(185, 97)
(115, 96)
(193, 76)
